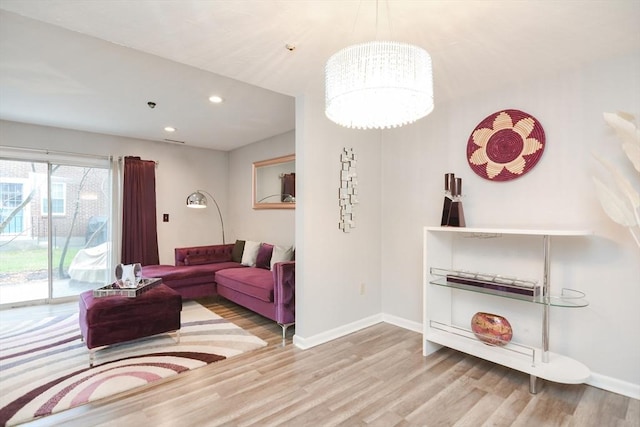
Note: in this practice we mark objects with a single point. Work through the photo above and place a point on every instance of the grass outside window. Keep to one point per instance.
(33, 259)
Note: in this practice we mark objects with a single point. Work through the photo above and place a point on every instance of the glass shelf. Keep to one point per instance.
(568, 298)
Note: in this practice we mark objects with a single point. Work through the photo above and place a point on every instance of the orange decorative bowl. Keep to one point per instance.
(491, 328)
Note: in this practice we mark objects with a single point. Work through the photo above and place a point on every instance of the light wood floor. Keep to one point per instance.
(376, 377)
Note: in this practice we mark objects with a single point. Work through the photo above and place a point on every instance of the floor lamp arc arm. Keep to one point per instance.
(219, 212)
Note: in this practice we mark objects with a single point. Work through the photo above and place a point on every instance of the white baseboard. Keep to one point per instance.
(403, 323)
(306, 343)
(596, 380)
(615, 385)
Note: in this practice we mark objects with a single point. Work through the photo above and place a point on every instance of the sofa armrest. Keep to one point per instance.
(284, 291)
(204, 254)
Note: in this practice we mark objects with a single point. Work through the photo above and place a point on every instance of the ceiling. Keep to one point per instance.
(94, 65)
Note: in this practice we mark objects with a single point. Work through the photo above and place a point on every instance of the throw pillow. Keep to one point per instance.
(263, 260)
(197, 260)
(238, 249)
(250, 253)
(281, 254)
(200, 259)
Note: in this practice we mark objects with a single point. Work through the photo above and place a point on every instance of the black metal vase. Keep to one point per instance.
(455, 217)
(449, 182)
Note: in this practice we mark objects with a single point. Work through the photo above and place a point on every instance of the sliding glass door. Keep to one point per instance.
(55, 228)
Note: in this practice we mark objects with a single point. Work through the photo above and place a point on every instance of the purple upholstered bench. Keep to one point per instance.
(115, 319)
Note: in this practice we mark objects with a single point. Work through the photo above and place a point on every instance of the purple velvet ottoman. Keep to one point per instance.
(115, 319)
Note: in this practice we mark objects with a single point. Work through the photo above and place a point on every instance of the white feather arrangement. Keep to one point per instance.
(620, 199)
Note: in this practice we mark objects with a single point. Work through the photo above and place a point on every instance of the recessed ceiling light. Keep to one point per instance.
(170, 129)
(215, 99)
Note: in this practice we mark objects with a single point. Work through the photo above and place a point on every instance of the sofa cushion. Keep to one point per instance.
(250, 253)
(236, 252)
(263, 260)
(254, 282)
(281, 254)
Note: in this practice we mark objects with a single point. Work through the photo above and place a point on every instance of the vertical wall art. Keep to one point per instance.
(348, 192)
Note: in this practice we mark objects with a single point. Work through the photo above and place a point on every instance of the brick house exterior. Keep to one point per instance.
(80, 192)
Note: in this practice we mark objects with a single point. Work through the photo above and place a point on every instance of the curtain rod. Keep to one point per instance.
(59, 153)
(120, 159)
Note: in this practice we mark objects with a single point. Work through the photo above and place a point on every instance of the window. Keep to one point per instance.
(54, 207)
(58, 199)
(11, 195)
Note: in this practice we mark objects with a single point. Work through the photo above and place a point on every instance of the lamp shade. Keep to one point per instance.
(379, 84)
(197, 200)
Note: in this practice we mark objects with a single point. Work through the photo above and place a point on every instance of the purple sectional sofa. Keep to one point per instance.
(205, 271)
(193, 275)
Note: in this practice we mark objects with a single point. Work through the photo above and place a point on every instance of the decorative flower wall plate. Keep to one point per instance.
(505, 145)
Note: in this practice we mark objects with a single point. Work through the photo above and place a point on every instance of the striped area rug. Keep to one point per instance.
(44, 365)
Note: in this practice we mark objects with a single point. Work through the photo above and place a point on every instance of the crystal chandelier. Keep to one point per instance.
(378, 85)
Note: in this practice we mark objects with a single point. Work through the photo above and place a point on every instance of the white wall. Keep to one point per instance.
(181, 170)
(557, 193)
(331, 264)
(415, 159)
(275, 226)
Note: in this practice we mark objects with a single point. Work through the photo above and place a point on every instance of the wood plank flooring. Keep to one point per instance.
(375, 377)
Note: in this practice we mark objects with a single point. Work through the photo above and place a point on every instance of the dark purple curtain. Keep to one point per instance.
(139, 224)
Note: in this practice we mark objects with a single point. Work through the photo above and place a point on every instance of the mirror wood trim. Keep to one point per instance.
(254, 193)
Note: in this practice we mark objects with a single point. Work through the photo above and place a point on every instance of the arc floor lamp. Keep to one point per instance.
(198, 200)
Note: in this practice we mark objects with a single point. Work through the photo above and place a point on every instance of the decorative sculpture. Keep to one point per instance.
(128, 275)
(452, 212)
(348, 193)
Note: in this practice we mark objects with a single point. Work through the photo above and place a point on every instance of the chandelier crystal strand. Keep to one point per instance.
(378, 85)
